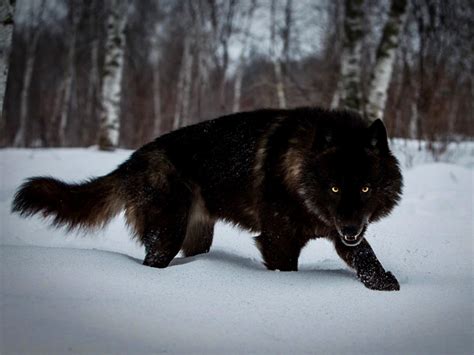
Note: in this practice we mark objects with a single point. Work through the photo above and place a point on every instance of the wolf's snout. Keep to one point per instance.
(350, 232)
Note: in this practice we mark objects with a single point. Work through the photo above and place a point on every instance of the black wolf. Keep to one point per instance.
(289, 175)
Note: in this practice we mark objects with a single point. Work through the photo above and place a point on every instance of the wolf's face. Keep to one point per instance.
(350, 185)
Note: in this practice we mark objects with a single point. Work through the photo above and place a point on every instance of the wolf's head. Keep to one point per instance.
(351, 178)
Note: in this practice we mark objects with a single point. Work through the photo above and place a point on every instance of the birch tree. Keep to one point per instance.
(333, 45)
(350, 86)
(242, 61)
(204, 43)
(155, 57)
(223, 31)
(286, 34)
(7, 10)
(112, 76)
(385, 59)
(276, 58)
(33, 35)
(183, 90)
(184, 84)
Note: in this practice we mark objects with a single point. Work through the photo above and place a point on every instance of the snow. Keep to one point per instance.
(90, 294)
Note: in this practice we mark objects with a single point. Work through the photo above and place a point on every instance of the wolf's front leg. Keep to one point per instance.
(368, 268)
(280, 251)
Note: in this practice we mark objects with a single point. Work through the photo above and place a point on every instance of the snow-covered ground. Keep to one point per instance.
(91, 295)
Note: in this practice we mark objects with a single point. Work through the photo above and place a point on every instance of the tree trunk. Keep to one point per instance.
(239, 73)
(20, 136)
(202, 77)
(7, 9)
(112, 76)
(351, 95)
(203, 41)
(92, 90)
(156, 101)
(413, 124)
(334, 50)
(183, 90)
(225, 35)
(70, 72)
(286, 31)
(93, 85)
(336, 98)
(385, 59)
(276, 59)
(155, 58)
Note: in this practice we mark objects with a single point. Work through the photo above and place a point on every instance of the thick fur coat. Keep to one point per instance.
(289, 175)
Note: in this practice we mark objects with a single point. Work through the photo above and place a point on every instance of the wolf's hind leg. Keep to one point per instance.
(164, 235)
(160, 223)
(163, 242)
(198, 238)
(200, 228)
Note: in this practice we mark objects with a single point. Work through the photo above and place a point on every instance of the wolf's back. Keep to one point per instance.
(88, 205)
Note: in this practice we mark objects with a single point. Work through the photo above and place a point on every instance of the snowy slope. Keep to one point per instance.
(90, 294)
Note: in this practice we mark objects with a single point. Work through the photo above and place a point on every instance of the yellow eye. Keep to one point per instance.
(335, 189)
(365, 189)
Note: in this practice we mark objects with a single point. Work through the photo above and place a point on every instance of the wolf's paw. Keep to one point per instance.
(381, 282)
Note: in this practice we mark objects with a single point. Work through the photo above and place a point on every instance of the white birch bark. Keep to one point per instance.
(336, 98)
(239, 74)
(112, 76)
(242, 61)
(7, 10)
(350, 90)
(385, 59)
(413, 124)
(276, 59)
(70, 72)
(280, 88)
(155, 56)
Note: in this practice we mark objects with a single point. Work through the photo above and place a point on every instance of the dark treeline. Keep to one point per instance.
(191, 60)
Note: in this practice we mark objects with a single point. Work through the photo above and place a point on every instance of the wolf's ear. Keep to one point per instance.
(377, 136)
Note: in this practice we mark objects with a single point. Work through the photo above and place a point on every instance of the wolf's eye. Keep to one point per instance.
(365, 189)
(335, 189)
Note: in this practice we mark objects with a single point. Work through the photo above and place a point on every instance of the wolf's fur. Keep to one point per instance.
(269, 171)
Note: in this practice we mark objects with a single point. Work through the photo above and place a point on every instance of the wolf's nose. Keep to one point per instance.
(350, 232)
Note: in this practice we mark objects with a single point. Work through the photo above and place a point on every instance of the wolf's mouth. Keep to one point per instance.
(351, 237)
(351, 241)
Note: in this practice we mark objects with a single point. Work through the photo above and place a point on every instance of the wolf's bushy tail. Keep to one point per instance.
(88, 205)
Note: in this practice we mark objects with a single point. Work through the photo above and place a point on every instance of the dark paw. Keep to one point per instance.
(156, 261)
(381, 282)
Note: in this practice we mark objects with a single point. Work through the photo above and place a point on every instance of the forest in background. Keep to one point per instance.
(146, 67)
